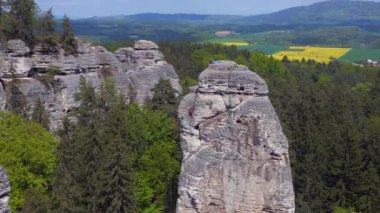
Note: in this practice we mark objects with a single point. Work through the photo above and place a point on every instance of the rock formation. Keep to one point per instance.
(28, 75)
(146, 65)
(5, 189)
(235, 155)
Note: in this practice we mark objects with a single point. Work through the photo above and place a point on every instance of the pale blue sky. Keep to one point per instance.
(88, 8)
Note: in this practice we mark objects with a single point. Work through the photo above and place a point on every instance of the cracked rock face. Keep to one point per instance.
(5, 189)
(146, 65)
(25, 75)
(235, 155)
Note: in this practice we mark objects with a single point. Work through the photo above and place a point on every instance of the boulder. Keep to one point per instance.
(145, 45)
(235, 155)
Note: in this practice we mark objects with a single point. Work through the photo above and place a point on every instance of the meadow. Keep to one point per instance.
(357, 55)
(318, 54)
(236, 43)
(322, 54)
(266, 49)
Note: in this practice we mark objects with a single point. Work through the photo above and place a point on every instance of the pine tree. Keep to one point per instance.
(87, 97)
(67, 40)
(35, 201)
(117, 193)
(369, 201)
(153, 139)
(65, 189)
(2, 14)
(116, 175)
(40, 115)
(89, 143)
(18, 23)
(46, 34)
(164, 98)
(3, 7)
(16, 100)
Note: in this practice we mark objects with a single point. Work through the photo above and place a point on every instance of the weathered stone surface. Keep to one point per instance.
(27, 77)
(2, 97)
(235, 155)
(5, 190)
(17, 48)
(146, 65)
(145, 45)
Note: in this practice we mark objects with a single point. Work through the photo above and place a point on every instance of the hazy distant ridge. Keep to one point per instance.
(329, 12)
(179, 17)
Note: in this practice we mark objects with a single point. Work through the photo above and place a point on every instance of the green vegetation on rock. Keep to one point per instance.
(46, 34)
(18, 21)
(67, 40)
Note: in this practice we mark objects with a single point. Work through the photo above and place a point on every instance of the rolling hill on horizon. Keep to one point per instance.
(328, 12)
(334, 23)
(334, 12)
(162, 17)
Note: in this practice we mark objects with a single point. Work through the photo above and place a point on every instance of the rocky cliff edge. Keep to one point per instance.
(28, 75)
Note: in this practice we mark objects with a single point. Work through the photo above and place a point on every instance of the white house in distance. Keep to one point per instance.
(373, 63)
(224, 33)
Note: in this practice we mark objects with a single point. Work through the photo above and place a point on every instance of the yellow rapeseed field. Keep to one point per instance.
(319, 54)
(237, 43)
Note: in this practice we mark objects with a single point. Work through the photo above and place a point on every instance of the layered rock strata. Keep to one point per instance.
(5, 189)
(28, 75)
(145, 66)
(235, 155)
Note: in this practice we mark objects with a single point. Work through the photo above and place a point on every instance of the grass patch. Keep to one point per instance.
(266, 49)
(236, 43)
(356, 55)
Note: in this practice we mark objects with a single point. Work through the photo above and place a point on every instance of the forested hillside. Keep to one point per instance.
(325, 12)
(113, 156)
(130, 155)
(330, 115)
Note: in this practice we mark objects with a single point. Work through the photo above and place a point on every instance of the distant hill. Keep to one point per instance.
(342, 23)
(335, 12)
(328, 12)
(158, 17)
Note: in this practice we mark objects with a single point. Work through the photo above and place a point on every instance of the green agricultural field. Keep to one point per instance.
(266, 49)
(228, 39)
(361, 54)
(353, 55)
(262, 38)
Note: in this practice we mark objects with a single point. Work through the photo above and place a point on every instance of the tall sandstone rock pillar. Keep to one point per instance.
(235, 155)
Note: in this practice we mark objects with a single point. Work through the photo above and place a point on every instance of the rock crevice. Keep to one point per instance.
(235, 155)
(5, 190)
